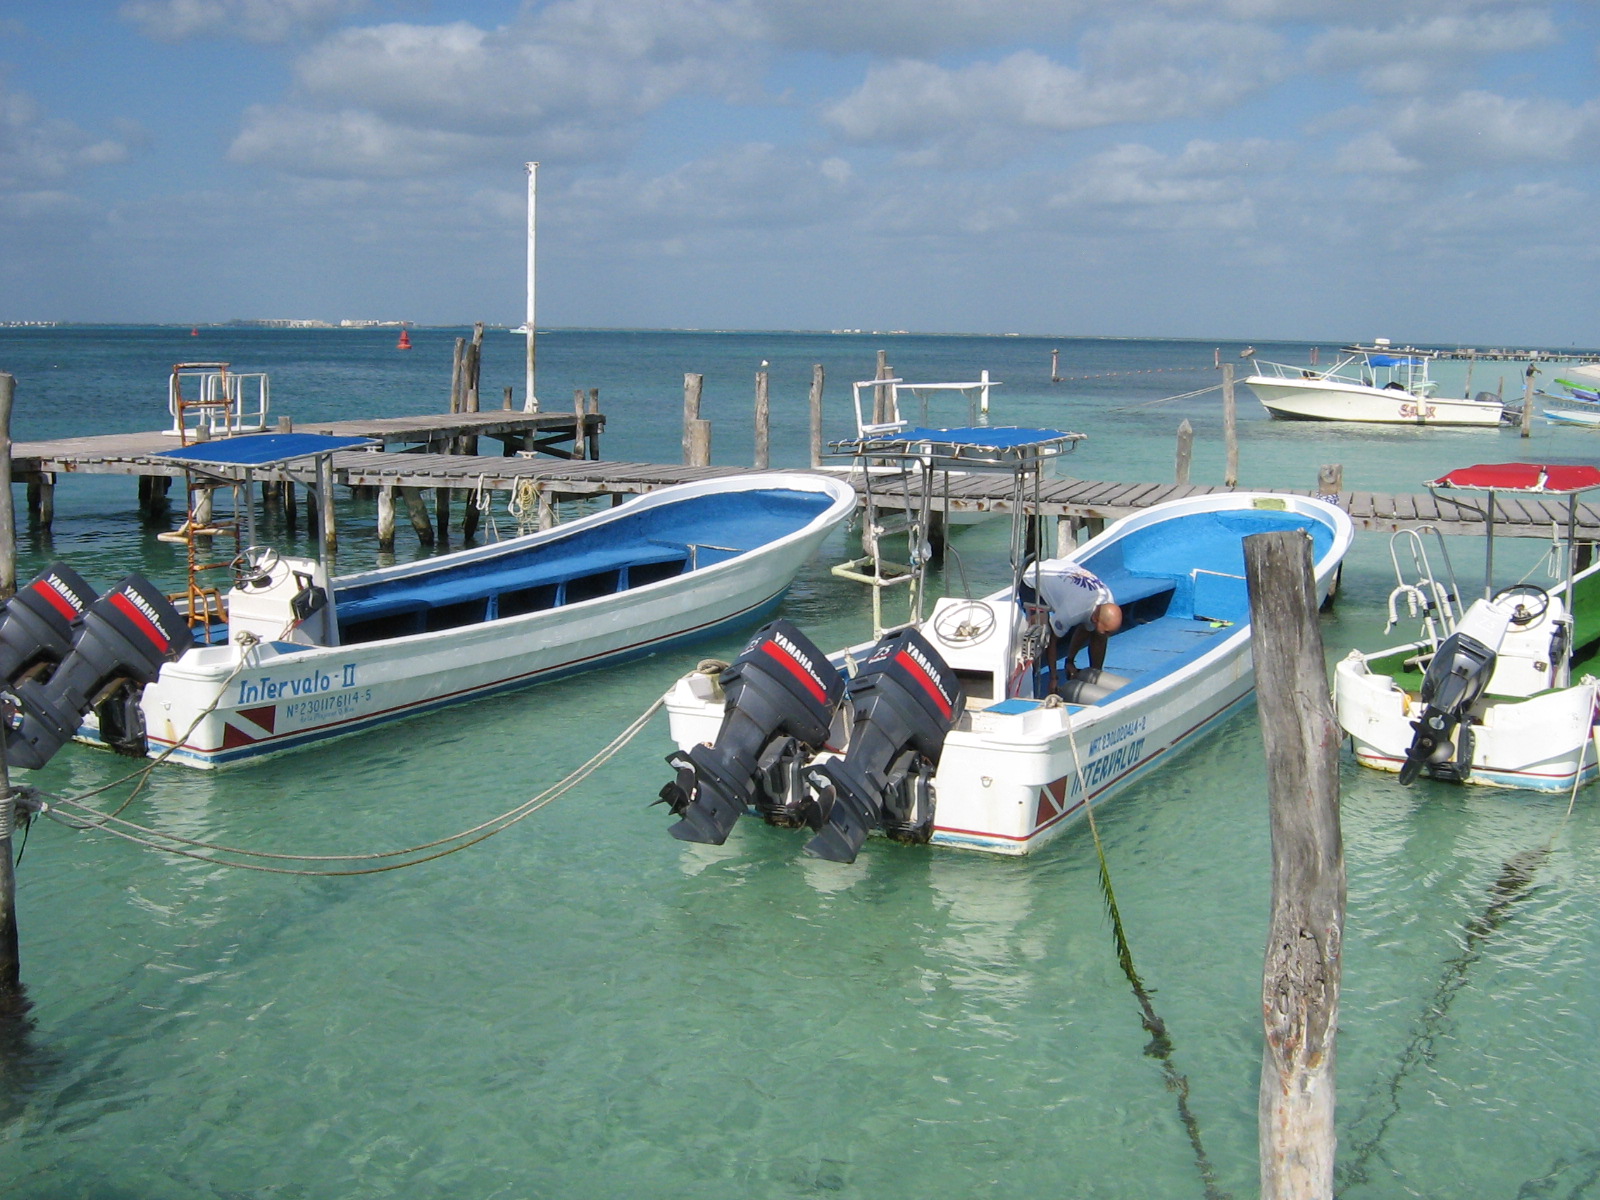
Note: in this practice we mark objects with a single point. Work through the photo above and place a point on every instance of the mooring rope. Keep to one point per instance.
(1167, 399)
(61, 809)
(1514, 884)
(1119, 374)
(1160, 1045)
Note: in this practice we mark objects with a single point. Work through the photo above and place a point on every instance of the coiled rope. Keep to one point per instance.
(73, 813)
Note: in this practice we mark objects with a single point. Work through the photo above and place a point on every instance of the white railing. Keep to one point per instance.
(209, 396)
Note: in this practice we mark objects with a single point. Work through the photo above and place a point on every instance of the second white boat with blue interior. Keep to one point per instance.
(944, 730)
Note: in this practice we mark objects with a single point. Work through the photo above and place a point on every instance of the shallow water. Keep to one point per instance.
(583, 1007)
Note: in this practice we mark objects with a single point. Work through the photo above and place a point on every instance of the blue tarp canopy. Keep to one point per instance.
(261, 449)
(1394, 360)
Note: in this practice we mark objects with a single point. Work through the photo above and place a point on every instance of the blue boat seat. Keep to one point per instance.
(398, 597)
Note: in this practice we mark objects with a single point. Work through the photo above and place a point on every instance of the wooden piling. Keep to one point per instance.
(699, 438)
(1527, 400)
(880, 395)
(816, 415)
(577, 426)
(763, 422)
(1055, 366)
(8, 523)
(325, 519)
(1185, 453)
(12, 1000)
(386, 518)
(507, 405)
(417, 510)
(1230, 427)
(1300, 979)
(692, 385)
(456, 366)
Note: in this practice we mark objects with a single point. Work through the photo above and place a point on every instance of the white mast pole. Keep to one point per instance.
(531, 398)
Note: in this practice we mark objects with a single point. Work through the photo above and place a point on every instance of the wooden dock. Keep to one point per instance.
(548, 450)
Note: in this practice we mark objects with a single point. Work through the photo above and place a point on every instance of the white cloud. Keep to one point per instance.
(34, 147)
(1141, 71)
(574, 80)
(262, 21)
(1414, 54)
(1476, 129)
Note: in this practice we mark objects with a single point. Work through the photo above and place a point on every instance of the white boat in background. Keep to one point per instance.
(943, 730)
(289, 656)
(1379, 388)
(1494, 694)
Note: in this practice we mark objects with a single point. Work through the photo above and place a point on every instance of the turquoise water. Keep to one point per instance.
(583, 1007)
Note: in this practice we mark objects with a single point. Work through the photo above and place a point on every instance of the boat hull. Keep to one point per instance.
(1542, 743)
(1320, 399)
(222, 705)
(1016, 772)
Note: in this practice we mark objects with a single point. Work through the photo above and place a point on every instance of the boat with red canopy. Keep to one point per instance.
(1498, 689)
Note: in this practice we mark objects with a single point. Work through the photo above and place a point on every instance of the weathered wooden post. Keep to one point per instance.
(1330, 481)
(592, 428)
(816, 415)
(880, 394)
(692, 385)
(1527, 400)
(1300, 979)
(763, 422)
(507, 405)
(12, 1001)
(577, 423)
(699, 443)
(1230, 427)
(455, 375)
(417, 510)
(8, 521)
(1185, 453)
(325, 518)
(1055, 366)
(386, 518)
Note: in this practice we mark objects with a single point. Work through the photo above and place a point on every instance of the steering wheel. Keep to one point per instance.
(1523, 614)
(255, 565)
(969, 622)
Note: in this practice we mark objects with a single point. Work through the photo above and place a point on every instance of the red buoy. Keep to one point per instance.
(405, 341)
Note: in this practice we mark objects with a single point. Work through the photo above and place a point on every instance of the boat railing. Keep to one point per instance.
(889, 413)
(1437, 602)
(211, 397)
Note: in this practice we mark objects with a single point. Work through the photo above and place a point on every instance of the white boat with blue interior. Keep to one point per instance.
(288, 655)
(944, 729)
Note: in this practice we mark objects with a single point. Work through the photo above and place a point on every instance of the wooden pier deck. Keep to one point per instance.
(560, 474)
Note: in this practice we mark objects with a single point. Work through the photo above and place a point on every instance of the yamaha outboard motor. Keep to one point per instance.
(1455, 679)
(126, 635)
(40, 621)
(905, 698)
(781, 693)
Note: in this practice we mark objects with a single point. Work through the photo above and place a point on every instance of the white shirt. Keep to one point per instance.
(1071, 593)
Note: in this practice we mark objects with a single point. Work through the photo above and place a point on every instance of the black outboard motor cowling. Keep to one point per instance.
(1455, 679)
(906, 698)
(126, 635)
(40, 621)
(780, 697)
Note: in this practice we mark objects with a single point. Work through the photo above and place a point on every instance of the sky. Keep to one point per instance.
(1423, 170)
